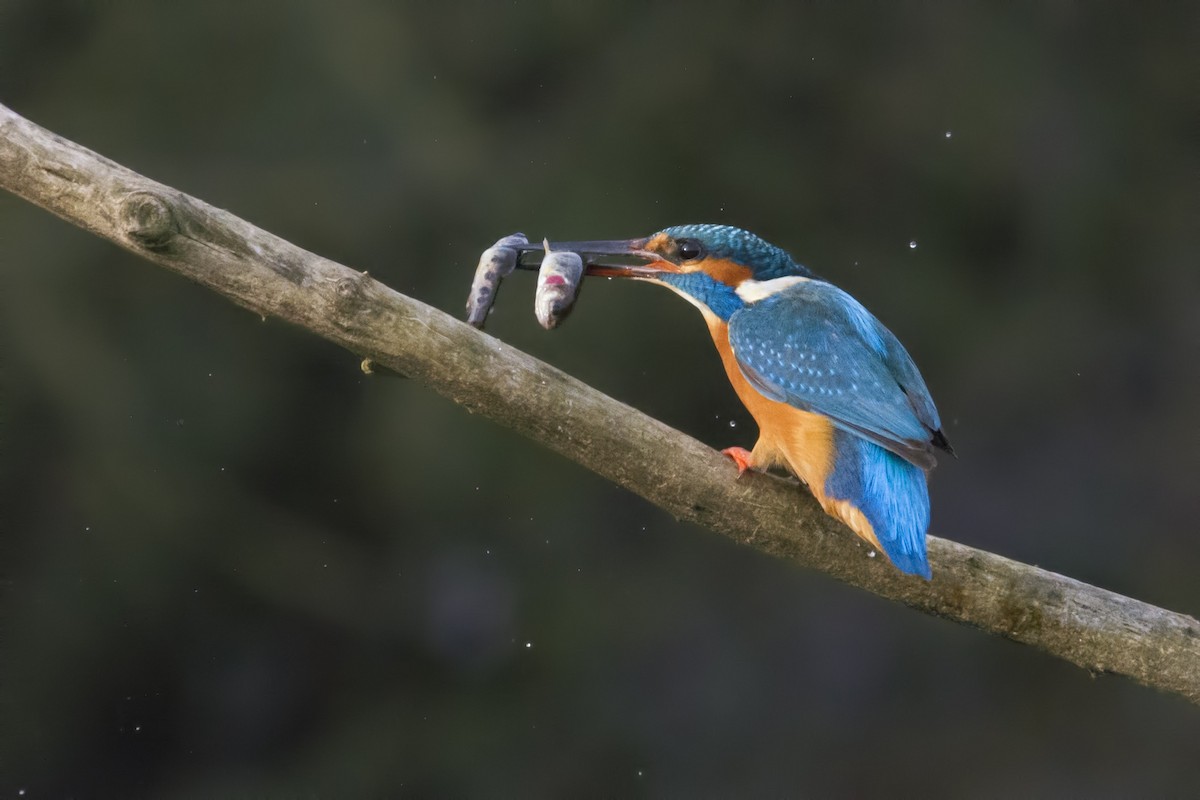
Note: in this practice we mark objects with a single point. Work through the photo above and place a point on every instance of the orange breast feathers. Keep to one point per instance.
(788, 437)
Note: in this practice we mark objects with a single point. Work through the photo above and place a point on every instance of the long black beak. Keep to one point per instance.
(620, 258)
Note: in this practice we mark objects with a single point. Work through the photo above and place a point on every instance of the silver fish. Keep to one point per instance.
(557, 286)
(496, 263)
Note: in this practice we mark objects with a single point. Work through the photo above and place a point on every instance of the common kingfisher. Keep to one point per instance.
(837, 399)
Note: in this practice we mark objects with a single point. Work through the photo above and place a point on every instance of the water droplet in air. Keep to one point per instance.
(912, 245)
(871, 554)
(733, 423)
(949, 134)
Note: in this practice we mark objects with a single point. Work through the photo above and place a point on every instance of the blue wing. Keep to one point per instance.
(815, 347)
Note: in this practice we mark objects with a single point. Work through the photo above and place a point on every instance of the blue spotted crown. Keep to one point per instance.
(743, 247)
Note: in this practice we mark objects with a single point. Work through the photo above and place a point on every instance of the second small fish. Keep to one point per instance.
(557, 286)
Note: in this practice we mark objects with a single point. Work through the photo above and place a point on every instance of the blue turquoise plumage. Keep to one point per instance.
(815, 347)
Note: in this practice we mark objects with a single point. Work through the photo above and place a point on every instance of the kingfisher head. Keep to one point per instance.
(719, 268)
(725, 253)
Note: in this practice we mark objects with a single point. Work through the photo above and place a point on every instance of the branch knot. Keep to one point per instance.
(148, 220)
(352, 290)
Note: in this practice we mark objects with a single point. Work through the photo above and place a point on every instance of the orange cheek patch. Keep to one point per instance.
(726, 271)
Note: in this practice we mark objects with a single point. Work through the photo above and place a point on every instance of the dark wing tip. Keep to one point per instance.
(940, 441)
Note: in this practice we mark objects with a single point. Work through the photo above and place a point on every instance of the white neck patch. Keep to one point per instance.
(751, 291)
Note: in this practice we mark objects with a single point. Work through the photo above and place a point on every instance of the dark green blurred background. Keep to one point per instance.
(240, 567)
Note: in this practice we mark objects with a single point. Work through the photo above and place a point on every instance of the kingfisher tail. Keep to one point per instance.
(889, 492)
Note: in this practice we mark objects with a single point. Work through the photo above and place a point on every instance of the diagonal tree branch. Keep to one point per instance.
(1093, 628)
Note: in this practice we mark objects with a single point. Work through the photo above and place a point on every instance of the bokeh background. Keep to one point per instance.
(235, 566)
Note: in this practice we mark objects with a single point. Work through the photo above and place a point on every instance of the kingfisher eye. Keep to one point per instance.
(689, 249)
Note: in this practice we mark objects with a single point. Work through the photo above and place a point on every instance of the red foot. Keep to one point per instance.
(741, 457)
